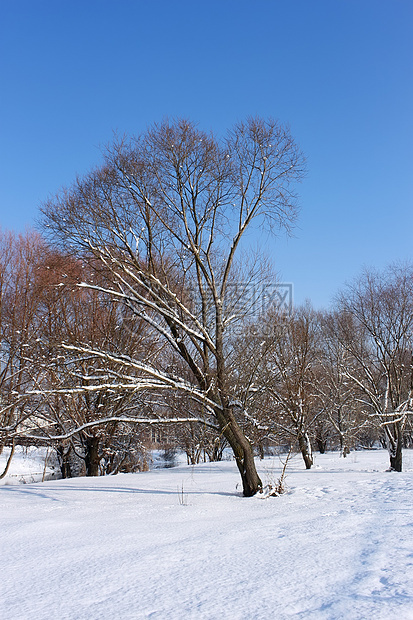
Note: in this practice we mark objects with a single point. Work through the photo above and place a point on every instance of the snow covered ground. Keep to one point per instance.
(184, 544)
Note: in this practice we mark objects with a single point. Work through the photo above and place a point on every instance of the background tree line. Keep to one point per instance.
(333, 380)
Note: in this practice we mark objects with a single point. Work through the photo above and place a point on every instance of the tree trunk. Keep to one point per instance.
(321, 444)
(243, 452)
(395, 448)
(341, 436)
(63, 457)
(92, 456)
(305, 449)
(6, 469)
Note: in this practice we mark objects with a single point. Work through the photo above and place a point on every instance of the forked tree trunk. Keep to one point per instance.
(243, 452)
(321, 444)
(63, 456)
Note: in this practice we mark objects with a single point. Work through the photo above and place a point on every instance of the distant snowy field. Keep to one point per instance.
(184, 544)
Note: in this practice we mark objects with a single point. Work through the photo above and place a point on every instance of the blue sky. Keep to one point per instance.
(339, 72)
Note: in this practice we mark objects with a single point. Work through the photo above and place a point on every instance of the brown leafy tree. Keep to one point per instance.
(20, 324)
(89, 422)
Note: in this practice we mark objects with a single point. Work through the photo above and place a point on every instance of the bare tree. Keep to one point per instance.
(344, 411)
(165, 216)
(292, 379)
(376, 328)
(279, 382)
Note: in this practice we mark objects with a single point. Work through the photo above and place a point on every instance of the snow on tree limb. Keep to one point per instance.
(109, 420)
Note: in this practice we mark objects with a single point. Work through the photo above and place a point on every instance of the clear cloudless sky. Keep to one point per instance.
(339, 72)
